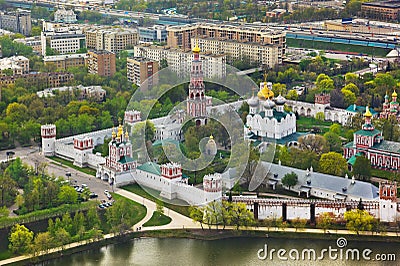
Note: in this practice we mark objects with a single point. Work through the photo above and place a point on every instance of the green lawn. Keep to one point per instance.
(140, 209)
(85, 170)
(135, 188)
(382, 174)
(305, 124)
(157, 219)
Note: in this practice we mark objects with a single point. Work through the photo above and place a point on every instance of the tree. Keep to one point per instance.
(353, 88)
(160, 206)
(358, 220)
(320, 116)
(67, 195)
(92, 218)
(325, 220)
(4, 212)
(120, 216)
(292, 95)
(20, 239)
(197, 214)
(332, 163)
(324, 83)
(241, 216)
(299, 224)
(42, 242)
(349, 96)
(362, 168)
(290, 180)
(314, 143)
(61, 237)
(333, 141)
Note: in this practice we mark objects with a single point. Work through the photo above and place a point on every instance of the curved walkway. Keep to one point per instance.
(178, 221)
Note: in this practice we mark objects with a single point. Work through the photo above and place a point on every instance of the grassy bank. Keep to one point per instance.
(140, 210)
(337, 46)
(158, 219)
(85, 170)
(138, 190)
(46, 214)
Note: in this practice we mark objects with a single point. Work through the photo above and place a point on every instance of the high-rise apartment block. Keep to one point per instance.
(180, 62)
(17, 21)
(236, 41)
(111, 39)
(140, 70)
(101, 62)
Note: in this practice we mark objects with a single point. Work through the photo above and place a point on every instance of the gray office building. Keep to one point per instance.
(17, 21)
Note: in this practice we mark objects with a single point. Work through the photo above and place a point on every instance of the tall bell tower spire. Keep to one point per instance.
(196, 102)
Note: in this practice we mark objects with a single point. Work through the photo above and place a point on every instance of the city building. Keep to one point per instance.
(220, 35)
(140, 69)
(382, 10)
(369, 142)
(17, 21)
(262, 54)
(63, 41)
(156, 33)
(33, 42)
(111, 39)
(101, 63)
(267, 118)
(180, 62)
(391, 109)
(196, 101)
(66, 61)
(96, 93)
(65, 16)
(46, 79)
(17, 64)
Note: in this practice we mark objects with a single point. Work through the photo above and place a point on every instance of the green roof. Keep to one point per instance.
(348, 145)
(125, 159)
(279, 115)
(390, 146)
(368, 132)
(353, 158)
(150, 167)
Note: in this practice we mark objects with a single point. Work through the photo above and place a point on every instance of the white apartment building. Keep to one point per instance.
(180, 62)
(18, 64)
(111, 39)
(63, 41)
(263, 54)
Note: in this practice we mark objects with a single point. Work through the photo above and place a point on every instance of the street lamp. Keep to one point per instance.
(68, 174)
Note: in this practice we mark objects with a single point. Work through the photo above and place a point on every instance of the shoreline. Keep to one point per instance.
(197, 234)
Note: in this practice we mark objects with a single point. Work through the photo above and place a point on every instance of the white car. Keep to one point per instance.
(106, 192)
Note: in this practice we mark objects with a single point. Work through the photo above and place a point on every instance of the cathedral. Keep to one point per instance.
(391, 108)
(119, 162)
(369, 142)
(267, 118)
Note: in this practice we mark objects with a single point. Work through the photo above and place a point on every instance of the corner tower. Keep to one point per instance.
(196, 102)
(48, 133)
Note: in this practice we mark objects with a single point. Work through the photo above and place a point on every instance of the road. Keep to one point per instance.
(77, 177)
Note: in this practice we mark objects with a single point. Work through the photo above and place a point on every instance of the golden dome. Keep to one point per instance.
(120, 131)
(196, 49)
(367, 112)
(265, 93)
(126, 135)
(113, 134)
(394, 94)
(211, 137)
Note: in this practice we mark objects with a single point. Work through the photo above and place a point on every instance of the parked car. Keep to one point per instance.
(106, 192)
(93, 195)
(108, 195)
